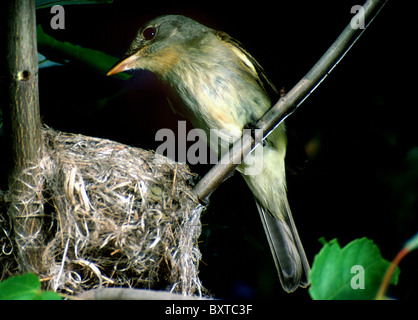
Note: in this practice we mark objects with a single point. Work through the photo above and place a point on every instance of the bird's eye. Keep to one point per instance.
(149, 33)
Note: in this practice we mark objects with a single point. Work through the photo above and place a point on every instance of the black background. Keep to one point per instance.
(358, 128)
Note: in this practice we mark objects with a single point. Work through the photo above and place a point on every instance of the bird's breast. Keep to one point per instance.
(213, 96)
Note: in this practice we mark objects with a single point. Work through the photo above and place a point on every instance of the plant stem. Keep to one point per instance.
(389, 273)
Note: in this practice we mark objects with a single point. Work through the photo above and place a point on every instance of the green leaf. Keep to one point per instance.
(354, 272)
(25, 287)
(40, 4)
(60, 52)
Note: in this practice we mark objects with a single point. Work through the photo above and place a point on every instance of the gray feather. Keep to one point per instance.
(288, 254)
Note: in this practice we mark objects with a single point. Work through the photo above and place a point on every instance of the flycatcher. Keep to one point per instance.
(215, 83)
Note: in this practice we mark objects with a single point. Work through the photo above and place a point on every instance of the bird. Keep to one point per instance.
(211, 79)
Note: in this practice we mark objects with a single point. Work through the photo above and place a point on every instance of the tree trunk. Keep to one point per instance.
(22, 63)
(22, 126)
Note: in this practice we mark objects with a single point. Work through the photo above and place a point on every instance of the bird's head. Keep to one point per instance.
(160, 44)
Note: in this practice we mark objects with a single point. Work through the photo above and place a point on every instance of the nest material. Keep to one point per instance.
(106, 214)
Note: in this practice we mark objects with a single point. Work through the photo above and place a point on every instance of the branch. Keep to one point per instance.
(131, 294)
(289, 103)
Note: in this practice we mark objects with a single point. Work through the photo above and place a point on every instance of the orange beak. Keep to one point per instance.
(123, 65)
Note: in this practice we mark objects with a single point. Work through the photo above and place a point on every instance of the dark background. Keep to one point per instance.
(358, 128)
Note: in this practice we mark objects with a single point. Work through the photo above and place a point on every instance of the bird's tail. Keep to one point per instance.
(287, 250)
(269, 188)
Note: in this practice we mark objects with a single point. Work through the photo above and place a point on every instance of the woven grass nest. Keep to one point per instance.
(106, 215)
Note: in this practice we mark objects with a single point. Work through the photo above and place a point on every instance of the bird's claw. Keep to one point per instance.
(253, 127)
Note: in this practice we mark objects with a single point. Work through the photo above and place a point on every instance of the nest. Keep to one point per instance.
(96, 213)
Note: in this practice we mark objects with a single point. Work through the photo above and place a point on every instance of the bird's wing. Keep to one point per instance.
(248, 60)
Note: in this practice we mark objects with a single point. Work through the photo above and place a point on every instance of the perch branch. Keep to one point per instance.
(289, 103)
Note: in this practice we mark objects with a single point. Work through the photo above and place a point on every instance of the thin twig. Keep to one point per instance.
(289, 103)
